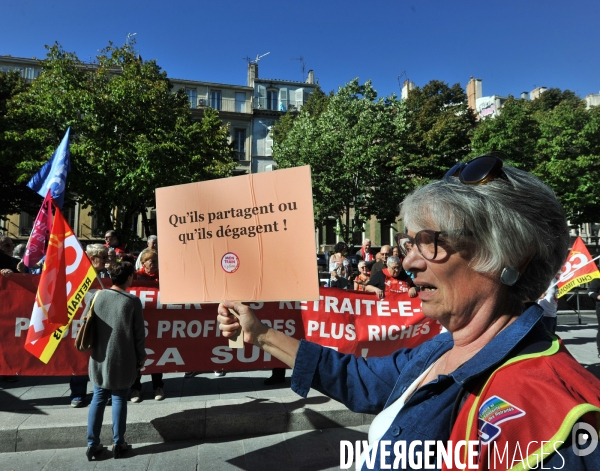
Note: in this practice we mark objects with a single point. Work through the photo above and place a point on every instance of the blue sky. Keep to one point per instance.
(514, 46)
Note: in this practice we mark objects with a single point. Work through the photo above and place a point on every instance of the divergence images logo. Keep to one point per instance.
(584, 433)
(230, 262)
(493, 412)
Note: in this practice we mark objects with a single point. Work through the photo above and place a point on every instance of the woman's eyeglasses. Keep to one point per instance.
(427, 242)
(478, 171)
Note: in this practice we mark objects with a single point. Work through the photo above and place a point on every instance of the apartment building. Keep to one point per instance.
(249, 110)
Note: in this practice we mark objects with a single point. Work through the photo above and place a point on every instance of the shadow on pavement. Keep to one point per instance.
(594, 369)
(311, 451)
(305, 450)
(158, 448)
(577, 341)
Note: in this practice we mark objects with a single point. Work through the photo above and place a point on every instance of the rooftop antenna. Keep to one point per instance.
(399, 82)
(260, 57)
(303, 64)
(247, 59)
(129, 36)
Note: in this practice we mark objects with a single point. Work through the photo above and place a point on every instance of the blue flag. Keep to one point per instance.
(53, 175)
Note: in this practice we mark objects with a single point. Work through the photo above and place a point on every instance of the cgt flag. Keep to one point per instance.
(66, 277)
(53, 175)
(578, 269)
(40, 234)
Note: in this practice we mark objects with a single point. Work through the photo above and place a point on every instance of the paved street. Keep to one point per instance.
(238, 422)
(308, 450)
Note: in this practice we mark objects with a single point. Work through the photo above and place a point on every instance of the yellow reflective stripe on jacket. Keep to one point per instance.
(559, 437)
(474, 408)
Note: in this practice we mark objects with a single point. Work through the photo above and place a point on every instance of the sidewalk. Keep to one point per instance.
(35, 412)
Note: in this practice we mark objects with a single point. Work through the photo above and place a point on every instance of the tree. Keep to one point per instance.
(350, 140)
(552, 97)
(130, 133)
(438, 130)
(556, 138)
(316, 104)
(569, 150)
(14, 197)
(513, 135)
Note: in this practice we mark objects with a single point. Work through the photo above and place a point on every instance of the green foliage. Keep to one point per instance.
(130, 134)
(556, 138)
(14, 196)
(439, 124)
(351, 141)
(316, 104)
(513, 135)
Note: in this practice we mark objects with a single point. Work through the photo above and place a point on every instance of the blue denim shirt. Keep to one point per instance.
(370, 385)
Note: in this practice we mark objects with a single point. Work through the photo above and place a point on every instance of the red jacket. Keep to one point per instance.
(512, 414)
(119, 249)
(394, 285)
(142, 275)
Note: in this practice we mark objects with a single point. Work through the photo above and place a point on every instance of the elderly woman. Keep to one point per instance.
(98, 255)
(392, 279)
(483, 242)
(149, 270)
(361, 280)
(152, 244)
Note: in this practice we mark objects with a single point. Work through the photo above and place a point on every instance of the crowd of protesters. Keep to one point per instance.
(378, 273)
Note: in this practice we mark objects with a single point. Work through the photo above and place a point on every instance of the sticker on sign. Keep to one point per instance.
(230, 262)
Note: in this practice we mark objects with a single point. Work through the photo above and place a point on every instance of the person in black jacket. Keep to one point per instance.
(594, 293)
(8, 263)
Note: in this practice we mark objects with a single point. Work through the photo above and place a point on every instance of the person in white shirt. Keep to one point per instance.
(549, 303)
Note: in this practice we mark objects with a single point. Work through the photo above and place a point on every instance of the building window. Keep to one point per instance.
(97, 230)
(272, 99)
(215, 100)
(191, 93)
(26, 224)
(240, 102)
(240, 144)
(69, 215)
(386, 234)
(330, 233)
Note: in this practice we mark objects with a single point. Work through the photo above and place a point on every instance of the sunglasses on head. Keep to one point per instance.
(478, 171)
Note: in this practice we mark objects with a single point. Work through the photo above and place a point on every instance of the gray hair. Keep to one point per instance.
(19, 250)
(392, 259)
(93, 250)
(152, 237)
(365, 241)
(514, 222)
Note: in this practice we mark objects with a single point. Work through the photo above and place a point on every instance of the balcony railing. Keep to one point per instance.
(226, 104)
(286, 105)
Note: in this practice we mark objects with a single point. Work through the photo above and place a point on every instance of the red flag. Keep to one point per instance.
(40, 234)
(578, 269)
(66, 277)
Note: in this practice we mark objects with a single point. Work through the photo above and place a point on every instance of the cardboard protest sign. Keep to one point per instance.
(247, 238)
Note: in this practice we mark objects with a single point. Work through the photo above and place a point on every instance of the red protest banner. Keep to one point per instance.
(185, 337)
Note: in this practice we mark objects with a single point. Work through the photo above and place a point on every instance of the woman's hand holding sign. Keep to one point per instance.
(255, 332)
